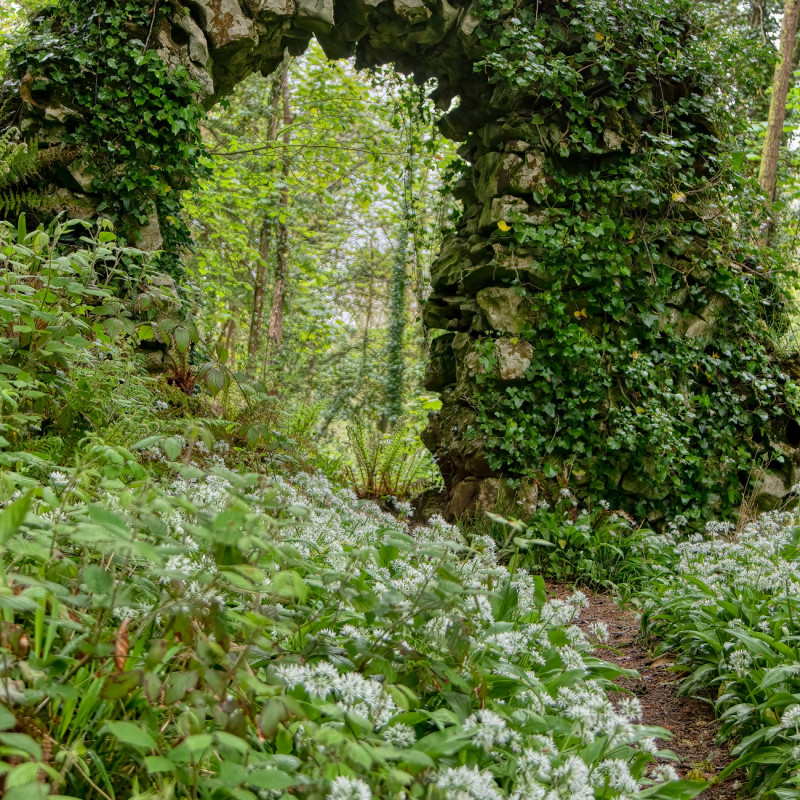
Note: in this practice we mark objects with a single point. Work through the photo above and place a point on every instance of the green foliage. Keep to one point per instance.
(17, 158)
(388, 465)
(728, 608)
(598, 547)
(210, 634)
(641, 229)
(63, 329)
(97, 58)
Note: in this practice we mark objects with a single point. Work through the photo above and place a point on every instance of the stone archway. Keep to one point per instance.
(496, 299)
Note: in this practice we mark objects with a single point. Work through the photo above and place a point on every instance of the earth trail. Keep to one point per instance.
(690, 721)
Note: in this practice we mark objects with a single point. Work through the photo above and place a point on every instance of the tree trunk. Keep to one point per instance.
(259, 290)
(229, 341)
(265, 234)
(768, 170)
(279, 293)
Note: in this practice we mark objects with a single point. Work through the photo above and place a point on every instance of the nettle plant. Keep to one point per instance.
(66, 327)
(210, 634)
(728, 607)
(654, 337)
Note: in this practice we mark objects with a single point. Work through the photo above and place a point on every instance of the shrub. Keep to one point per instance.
(598, 547)
(66, 353)
(385, 465)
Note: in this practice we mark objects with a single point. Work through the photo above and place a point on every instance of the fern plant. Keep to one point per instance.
(387, 465)
(18, 158)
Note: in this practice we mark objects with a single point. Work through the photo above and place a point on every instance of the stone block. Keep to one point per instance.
(440, 370)
(513, 358)
(502, 209)
(771, 490)
(529, 176)
(449, 265)
(505, 308)
(415, 12)
(315, 15)
(224, 22)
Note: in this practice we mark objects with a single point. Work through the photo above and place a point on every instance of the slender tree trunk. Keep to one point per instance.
(259, 289)
(368, 320)
(265, 234)
(770, 155)
(229, 341)
(279, 293)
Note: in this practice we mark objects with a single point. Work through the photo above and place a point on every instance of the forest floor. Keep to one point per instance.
(690, 721)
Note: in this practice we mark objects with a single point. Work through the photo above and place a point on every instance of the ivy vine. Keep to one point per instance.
(640, 231)
(93, 61)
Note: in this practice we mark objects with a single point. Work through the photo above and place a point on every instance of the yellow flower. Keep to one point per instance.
(581, 313)
(635, 354)
(678, 197)
(504, 226)
(599, 36)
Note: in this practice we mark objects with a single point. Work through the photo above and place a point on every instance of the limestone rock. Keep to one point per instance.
(527, 496)
(475, 496)
(771, 490)
(315, 15)
(440, 370)
(509, 209)
(472, 366)
(415, 11)
(529, 176)
(505, 309)
(494, 174)
(198, 45)
(150, 238)
(224, 22)
(513, 358)
(446, 270)
(277, 8)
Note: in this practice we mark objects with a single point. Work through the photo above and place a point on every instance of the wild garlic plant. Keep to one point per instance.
(194, 632)
(728, 605)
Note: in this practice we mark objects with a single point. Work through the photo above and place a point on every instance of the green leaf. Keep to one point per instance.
(131, 733)
(172, 448)
(158, 764)
(7, 718)
(270, 779)
(12, 517)
(675, 790)
(182, 338)
(23, 742)
(97, 579)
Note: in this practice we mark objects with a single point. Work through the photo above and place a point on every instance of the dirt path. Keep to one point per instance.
(690, 721)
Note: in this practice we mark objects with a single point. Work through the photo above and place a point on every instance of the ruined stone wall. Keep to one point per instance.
(486, 287)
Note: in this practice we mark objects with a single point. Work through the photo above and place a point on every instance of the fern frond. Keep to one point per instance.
(18, 158)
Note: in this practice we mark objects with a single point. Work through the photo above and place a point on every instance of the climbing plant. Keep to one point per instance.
(98, 59)
(653, 320)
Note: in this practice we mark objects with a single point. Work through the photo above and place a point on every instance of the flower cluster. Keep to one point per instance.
(728, 604)
(311, 634)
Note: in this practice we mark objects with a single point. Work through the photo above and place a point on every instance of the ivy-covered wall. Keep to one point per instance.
(600, 318)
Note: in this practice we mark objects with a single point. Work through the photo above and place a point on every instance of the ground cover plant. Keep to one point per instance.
(727, 606)
(215, 634)
(564, 541)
